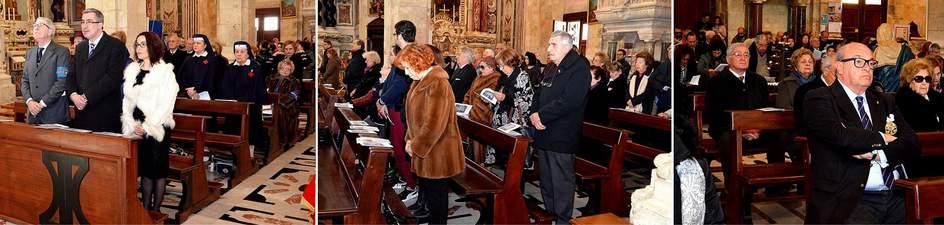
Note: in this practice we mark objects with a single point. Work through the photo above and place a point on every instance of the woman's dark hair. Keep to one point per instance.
(154, 45)
(406, 29)
(533, 59)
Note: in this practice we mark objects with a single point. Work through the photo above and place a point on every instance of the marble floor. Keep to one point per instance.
(633, 178)
(786, 212)
(270, 196)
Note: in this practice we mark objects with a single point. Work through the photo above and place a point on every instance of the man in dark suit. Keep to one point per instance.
(557, 115)
(462, 78)
(824, 80)
(44, 80)
(859, 143)
(355, 69)
(174, 54)
(94, 82)
(735, 88)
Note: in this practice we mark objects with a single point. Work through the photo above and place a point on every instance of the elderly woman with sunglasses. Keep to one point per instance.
(921, 105)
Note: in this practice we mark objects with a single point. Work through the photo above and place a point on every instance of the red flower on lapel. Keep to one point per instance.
(205, 62)
(251, 73)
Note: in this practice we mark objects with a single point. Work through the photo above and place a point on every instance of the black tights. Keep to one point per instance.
(153, 192)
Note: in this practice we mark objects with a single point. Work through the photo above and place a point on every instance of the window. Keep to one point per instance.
(271, 23)
(257, 24)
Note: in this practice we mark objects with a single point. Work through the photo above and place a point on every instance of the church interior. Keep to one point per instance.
(358, 182)
(775, 181)
(57, 174)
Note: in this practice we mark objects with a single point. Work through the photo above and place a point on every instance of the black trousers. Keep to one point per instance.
(436, 193)
(887, 207)
(558, 184)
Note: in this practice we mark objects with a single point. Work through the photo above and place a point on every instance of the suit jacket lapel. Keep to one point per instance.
(847, 110)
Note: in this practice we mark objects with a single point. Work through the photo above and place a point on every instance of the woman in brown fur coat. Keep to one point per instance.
(432, 136)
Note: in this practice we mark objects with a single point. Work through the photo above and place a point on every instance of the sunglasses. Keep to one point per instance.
(920, 79)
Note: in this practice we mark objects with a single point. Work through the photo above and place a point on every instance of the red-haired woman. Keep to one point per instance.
(432, 136)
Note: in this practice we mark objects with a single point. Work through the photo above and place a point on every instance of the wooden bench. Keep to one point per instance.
(238, 144)
(307, 105)
(638, 124)
(272, 126)
(351, 177)
(744, 177)
(923, 196)
(609, 194)
(505, 202)
(50, 179)
(191, 170)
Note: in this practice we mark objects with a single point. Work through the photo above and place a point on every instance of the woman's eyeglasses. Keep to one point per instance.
(920, 79)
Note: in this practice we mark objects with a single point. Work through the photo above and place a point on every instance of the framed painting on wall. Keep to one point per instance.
(77, 7)
(345, 12)
(289, 8)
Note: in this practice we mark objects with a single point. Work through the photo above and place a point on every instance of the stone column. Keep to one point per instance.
(124, 16)
(416, 11)
(798, 15)
(755, 16)
(236, 24)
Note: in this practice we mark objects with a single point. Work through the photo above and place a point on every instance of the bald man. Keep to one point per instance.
(174, 54)
(860, 145)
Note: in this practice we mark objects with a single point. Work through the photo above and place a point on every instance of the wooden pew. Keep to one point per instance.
(272, 126)
(237, 143)
(326, 107)
(191, 170)
(638, 123)
(58, 176)
(744, 177)
(608, 178)
(505, 202)
(923, 195)
(707, 144)
(351, 178)
(307, 106)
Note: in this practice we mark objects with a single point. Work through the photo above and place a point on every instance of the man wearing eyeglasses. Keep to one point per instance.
(557, 115)
(44, 80)
(860, 144)
(94, 81)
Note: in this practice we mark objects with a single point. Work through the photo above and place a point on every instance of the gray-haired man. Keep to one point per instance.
(44, 77)
(557, 116)
(461, 80)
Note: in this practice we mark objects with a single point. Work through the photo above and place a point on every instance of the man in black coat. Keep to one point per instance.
(824, 80)
(557, 116)
(734, 89)
(858, 141)
(174, 54)
(462, 78)
(355, 69)
(94, 82)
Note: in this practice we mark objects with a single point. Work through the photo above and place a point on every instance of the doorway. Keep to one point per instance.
(267, 24)
(860, 18)
(375, 37)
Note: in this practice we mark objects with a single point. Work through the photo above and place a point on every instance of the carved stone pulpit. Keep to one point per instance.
(645, 23)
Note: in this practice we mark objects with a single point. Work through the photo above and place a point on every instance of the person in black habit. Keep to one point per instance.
(244, 81)
(197, 73)
(94, 81)
(150, 91)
